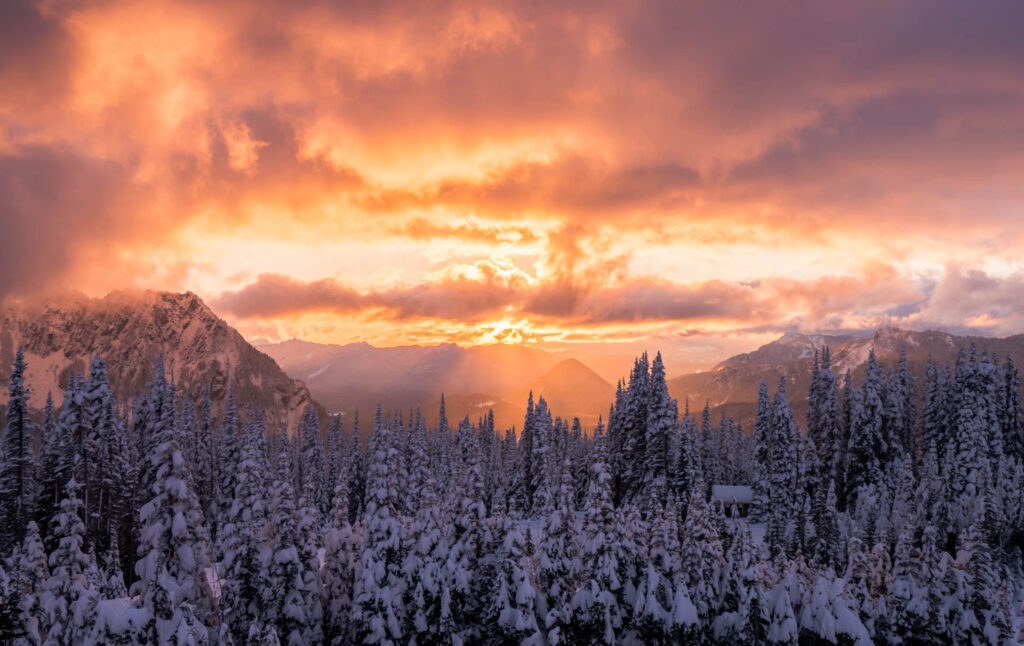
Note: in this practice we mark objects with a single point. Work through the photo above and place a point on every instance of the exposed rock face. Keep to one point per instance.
(129, 329)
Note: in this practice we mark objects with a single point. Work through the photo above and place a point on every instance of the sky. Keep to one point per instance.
(591, 177)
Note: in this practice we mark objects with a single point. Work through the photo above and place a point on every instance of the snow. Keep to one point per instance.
(119, 617)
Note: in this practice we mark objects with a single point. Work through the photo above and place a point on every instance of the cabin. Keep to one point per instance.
(735, 500)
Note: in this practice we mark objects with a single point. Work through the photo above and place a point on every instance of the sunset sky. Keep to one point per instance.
(696, 177)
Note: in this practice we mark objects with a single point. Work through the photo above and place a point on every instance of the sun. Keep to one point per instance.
(506, 332)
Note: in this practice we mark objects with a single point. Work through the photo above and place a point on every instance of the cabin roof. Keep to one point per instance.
(732, 494)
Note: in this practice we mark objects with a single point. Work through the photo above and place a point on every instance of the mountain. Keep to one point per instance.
(129, 329)
(571, 386)
(347, 378)
(732, 385)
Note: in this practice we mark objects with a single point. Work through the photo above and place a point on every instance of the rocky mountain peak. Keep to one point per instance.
(130, 328)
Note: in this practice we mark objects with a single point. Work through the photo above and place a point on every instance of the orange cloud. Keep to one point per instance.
(639, 165)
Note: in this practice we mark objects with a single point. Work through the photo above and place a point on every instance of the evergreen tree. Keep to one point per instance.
(54, 466)
(983, 616)
(204, 468)
(540, 459)
(311, 465)
(703, 559)
(742, 619)
(69, 604)
(29, 573)
(782, 474)
(463, 574)
(906, 386)
(379, 585)
(633, 427)
(599, 605)
(356, 472)
(934, 419)
(1012, 415)
(307, 545)
(515, 600)
(761, 507)
(241, 542)
(426, 554)
(559, 563)
(289, 609)
(826, 432)
(661, 424)
(111, 457)
(827, 529)
(173, 551)
(688, 473)
(17, 463)
(341, 553)
(228, 444)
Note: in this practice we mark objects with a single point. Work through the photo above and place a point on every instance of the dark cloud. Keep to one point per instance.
(52, 201)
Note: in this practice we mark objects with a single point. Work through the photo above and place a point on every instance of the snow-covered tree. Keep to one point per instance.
(174, 554)
(243, 601)
(761, 507)
(599, 605)
(703, 559)
(559, 563)
(379, 585)
(29, 573)
(662, 421)
(17, 463)
(69, 604)
(341, 554)
(515, 599)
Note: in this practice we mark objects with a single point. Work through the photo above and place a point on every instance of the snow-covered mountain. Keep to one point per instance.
(732, 384)
(357, 376)
(129, 329)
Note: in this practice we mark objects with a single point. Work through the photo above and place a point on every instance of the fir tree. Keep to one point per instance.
(311, 465)
(173, 549)
(515, 600)
(379, 584)
(241, 542)
(703, 558)
(559, 564)
(17, 463)
(599, 608)
(762, 456)
(289, 609)
(661, 424)
(1012, 414)
(27, 588)
(426, 554)
(341, 552)
(69, 603)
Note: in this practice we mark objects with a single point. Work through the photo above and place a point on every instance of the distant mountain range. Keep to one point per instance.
(129, 329)
(356, 376)
(347, 378)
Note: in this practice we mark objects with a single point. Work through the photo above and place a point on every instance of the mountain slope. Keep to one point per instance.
(129, 329)
(732, 385)
(572, 386)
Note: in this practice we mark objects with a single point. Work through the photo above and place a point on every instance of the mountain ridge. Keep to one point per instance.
(129, 329)
(733, 384)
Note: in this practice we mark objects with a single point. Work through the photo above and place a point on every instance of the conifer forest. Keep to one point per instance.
(894, 516)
